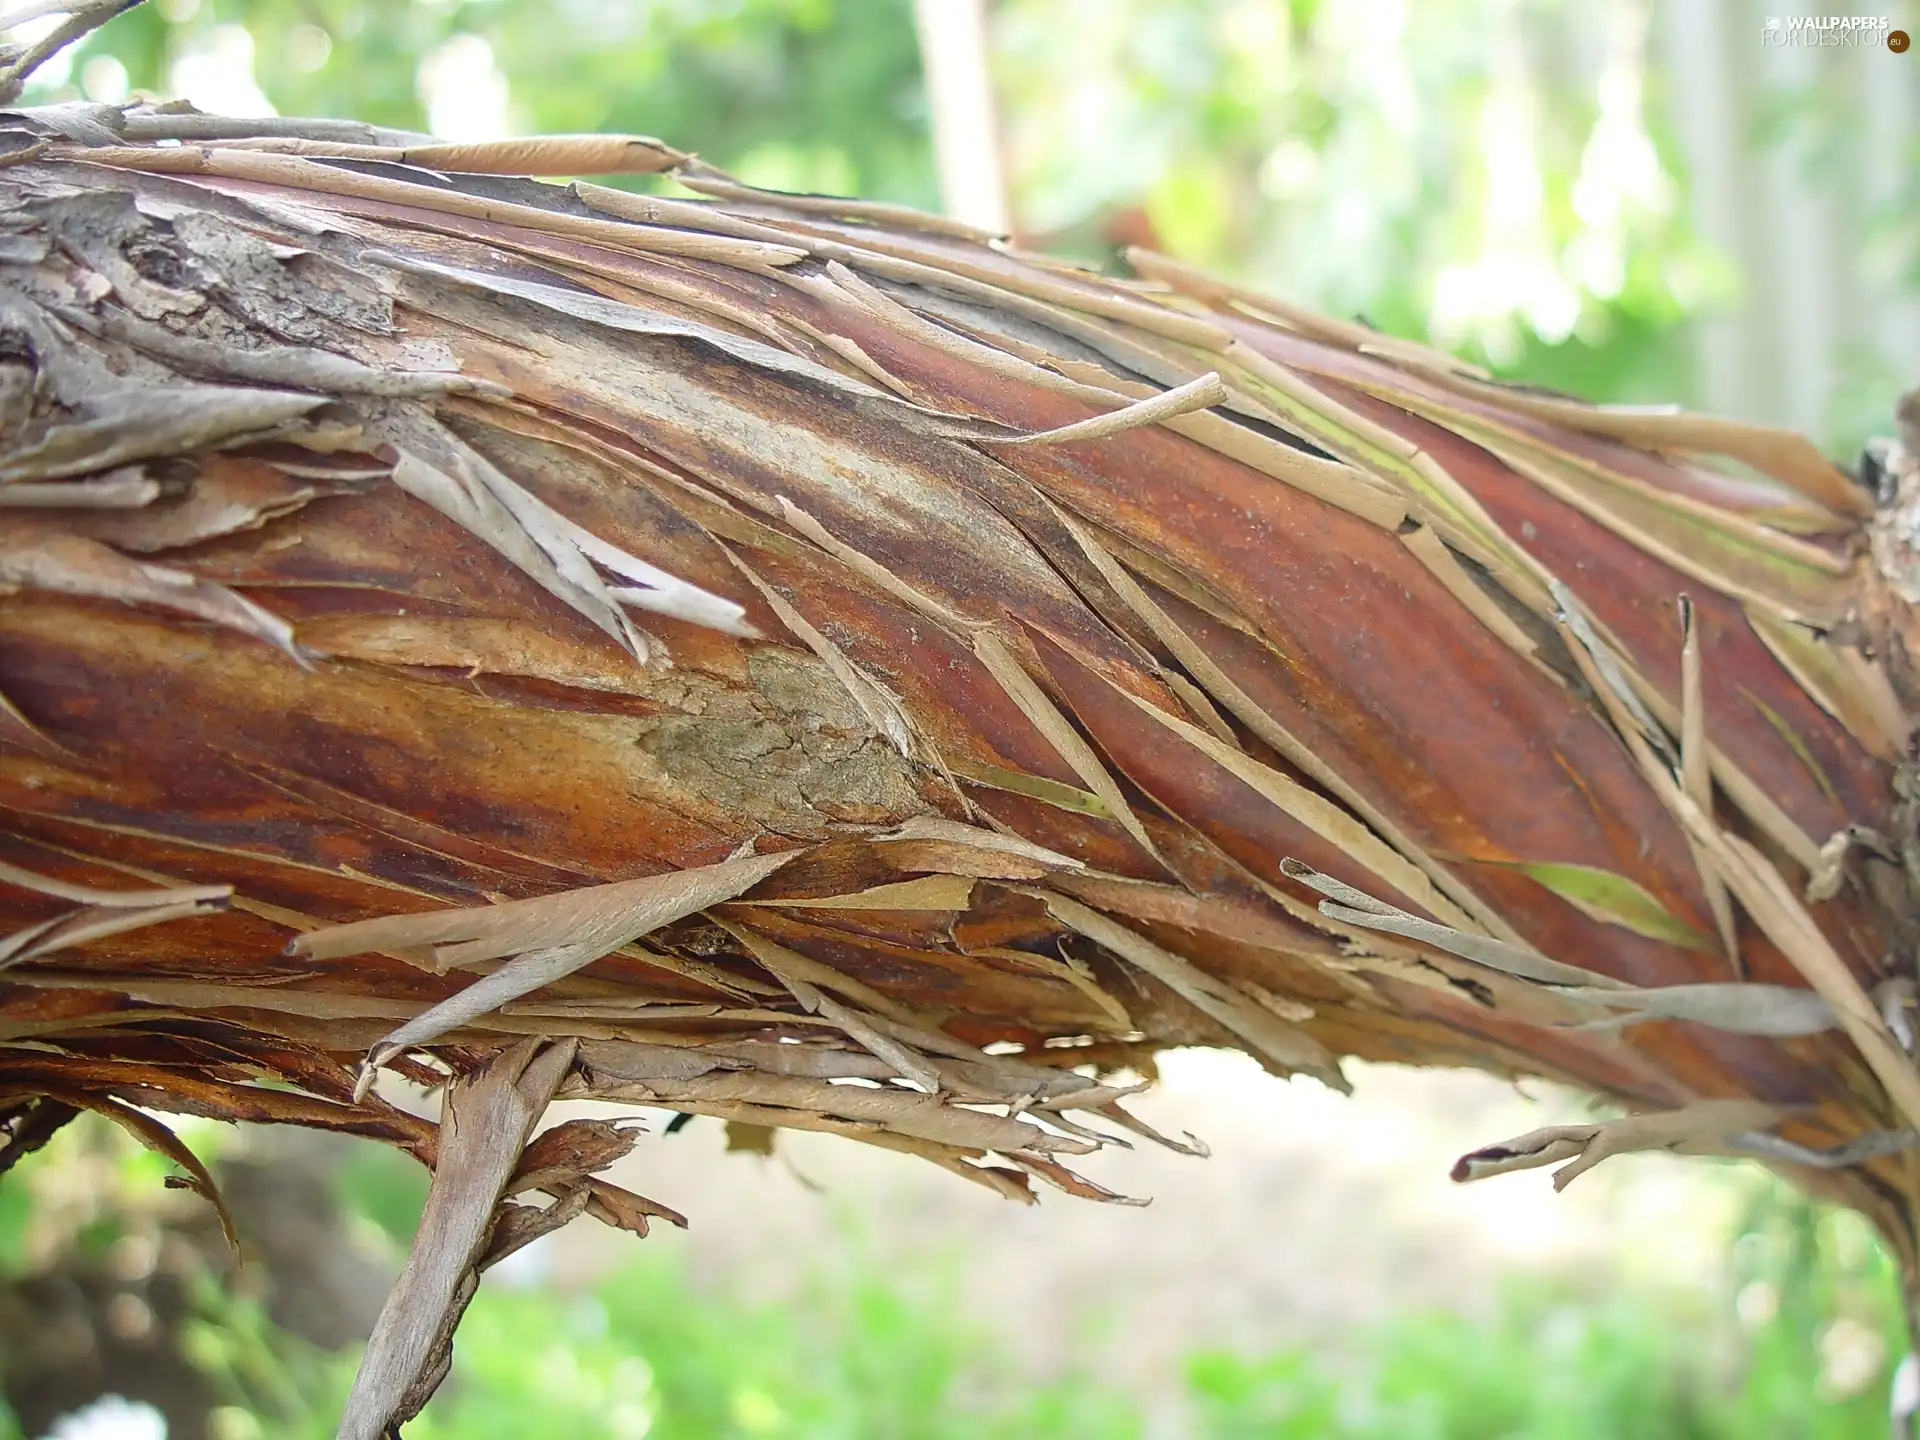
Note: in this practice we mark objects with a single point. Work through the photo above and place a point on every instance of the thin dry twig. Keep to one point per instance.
(83, 19)
(1710, 1127)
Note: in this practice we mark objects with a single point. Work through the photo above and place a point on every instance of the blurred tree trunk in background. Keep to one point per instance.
(102, 1303)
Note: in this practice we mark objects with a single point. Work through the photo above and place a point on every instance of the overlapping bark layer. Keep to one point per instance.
(442, 608)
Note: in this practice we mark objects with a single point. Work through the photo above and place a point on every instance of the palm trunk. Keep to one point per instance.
(468, 610)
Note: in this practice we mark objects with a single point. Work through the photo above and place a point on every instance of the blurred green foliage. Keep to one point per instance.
(1434, 167)
(1812, 1300)
(1496, 175)
(799, 94)
(1331, 152)
(1796, 1344)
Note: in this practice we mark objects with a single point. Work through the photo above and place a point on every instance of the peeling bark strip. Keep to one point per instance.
(1715, 1128)
(841, 674)
(487, 1119)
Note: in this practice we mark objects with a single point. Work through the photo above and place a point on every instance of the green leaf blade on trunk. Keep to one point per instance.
(1610, 898)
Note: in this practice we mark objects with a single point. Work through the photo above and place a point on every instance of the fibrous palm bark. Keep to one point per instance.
(705, 652)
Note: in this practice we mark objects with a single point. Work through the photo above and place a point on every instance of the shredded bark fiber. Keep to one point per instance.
(797, 662)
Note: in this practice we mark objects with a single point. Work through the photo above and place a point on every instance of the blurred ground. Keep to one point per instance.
(1314, 1213)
